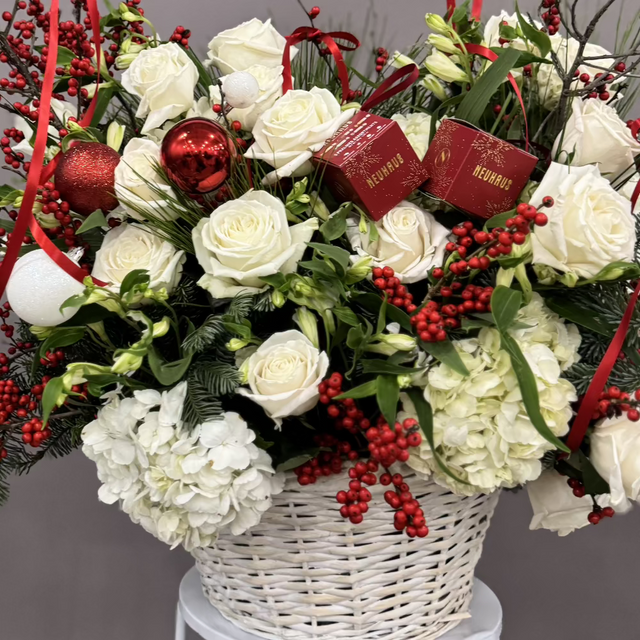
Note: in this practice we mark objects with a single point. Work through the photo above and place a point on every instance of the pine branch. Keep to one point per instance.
(210, 333)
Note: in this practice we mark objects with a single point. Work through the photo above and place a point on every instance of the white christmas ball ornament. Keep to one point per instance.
(241, 89)
(38, 287)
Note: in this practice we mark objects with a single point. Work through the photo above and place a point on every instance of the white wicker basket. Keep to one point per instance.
(305, 573)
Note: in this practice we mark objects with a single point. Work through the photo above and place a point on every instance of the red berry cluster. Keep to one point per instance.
(7, 329)
(387, 445)
(52, 358)
(181, 36)
(33, 433)
(345, 413)
(355, 501)
(325, 463)
(314, 12)
(381, 59)
(551, 17)
(408, 515)
(601, 90)
(430, 325)
(384, 278)
(598, 512)
(614, 402)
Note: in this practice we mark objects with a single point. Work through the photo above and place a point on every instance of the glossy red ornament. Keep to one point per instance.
(85, 177)
(196, 154)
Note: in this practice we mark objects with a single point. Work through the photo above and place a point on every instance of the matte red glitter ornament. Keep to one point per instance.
(85, 177)
(196, 154)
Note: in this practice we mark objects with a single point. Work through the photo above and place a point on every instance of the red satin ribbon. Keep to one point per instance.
(310, 33)
(635, 128)
(398, 81)
(484, 52)
(38, 174)
(476, 9)
(592, 397)
(635, 196)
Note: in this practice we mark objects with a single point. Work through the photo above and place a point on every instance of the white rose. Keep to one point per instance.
(133, 175)
(296, 126)
(284, 374)
(245, 239)
(250, 43)
(410, 241)
(129, 247)
(270, 83)
(628, 190)
(615, 453)
(547, 78)
(555, 508)
(417, 127)
(595, 134)
(164, 77)
(590, 225)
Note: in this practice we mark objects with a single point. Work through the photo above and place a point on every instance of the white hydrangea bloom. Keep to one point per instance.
(182, 486)
(481, 428)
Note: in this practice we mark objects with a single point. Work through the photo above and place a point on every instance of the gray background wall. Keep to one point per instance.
(74, 569)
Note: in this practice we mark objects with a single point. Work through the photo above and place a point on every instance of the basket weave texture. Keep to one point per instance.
(304, 572)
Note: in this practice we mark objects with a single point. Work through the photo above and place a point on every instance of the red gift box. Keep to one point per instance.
(475, 171)
(370, 162)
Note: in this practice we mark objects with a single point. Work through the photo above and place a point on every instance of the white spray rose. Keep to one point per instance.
(164, 77)
(297, 125)
(250, 43)
(615, 453)
(410, 241)
(129, 247)
(595, 134)
(245, 239)
(133, 176)
(590, 225)
(270, 83)
(417, 127)
(284, 373)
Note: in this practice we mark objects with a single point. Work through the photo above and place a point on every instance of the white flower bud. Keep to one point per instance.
(444, 68)
(161, 328)
(235, 344)
(115, 135)
(399, 341)
(437, 23)
(442, 43)
(399, 60)
(278, 299)
(308, 324)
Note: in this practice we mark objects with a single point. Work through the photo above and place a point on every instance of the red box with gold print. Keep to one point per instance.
(475, 171)
(370, 162)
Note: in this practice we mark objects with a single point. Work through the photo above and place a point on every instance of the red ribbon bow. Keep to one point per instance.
(335, 48)
(38, 174)
(398, 81)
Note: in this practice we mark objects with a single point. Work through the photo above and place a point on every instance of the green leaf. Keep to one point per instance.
(50, 396)
(167, 373)
(505, 304)
(74, 301)
(614, 272)
(384, 366)
(575, 313)
(87, 315)
(526, 57)
(61, 338)
(508, 33)
(277, 280)
(382, 316)
(336, 225)
(241, 330)
(320, 269)
(346, 315)
(446, 353)
(104, 100)
(363, 391)
(499, 221)
(534, 35)
(7, 198)
(96, 219)
(387, 395)
(594, 483)
(476, 100)
(529, 391)
(296, 461)
(336, 254)
(132, 279)
(372, 302)
(425, 419)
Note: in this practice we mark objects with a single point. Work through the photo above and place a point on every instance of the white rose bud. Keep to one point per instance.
(308, 324)
(410, 241)
(135, 174)
(252, 42)
(129, 247)
(595, 134)
(590, 225)
(284, 374)
(245, 239)
(164, 77)
(296, 126)
(443, 67)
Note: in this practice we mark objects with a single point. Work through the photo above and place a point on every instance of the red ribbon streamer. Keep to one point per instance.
(484, 52)
(310, 33)
(38, 174)
(398, 81)
(635, 196)
(634, 125)
(592, 397)
(476, 9)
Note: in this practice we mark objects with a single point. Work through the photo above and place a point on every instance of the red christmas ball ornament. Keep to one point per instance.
(85, 177)
(196, 154)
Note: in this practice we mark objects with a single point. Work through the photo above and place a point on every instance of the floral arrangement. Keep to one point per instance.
(269, 262)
